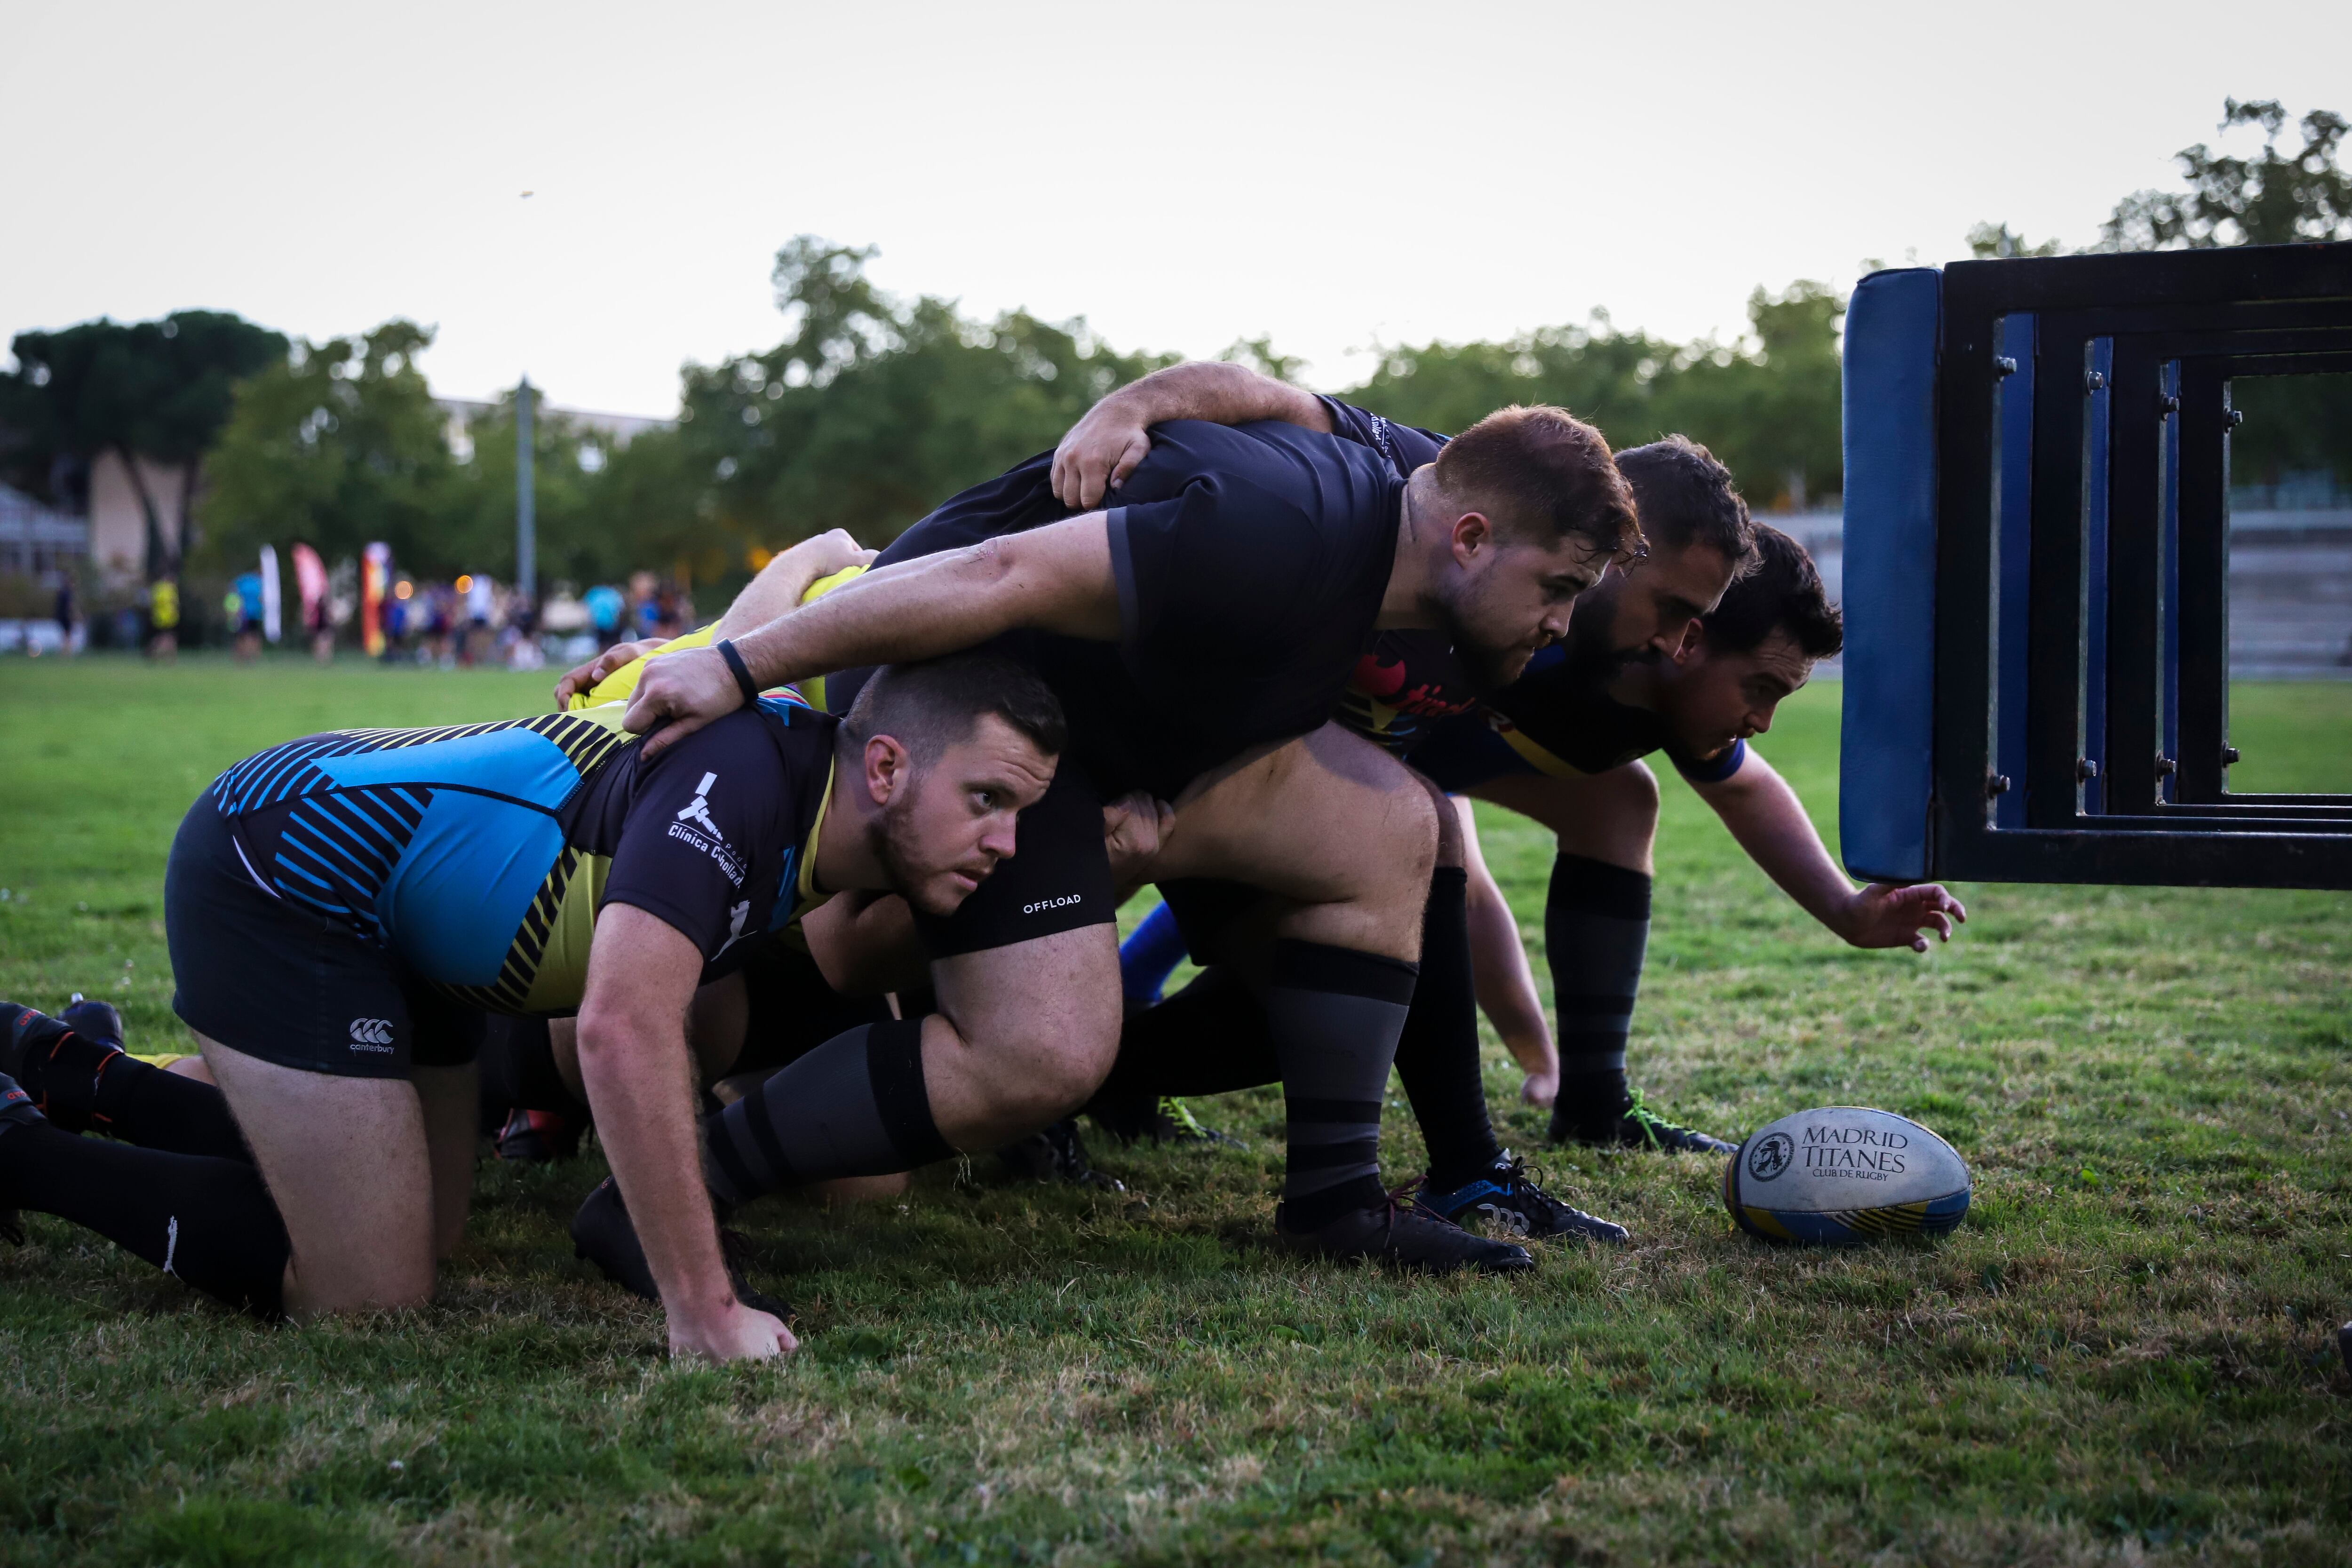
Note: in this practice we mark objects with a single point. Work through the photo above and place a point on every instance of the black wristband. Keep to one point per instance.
(726, 647)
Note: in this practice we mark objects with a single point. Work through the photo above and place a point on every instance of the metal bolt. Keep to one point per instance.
(2003, 365)
(2095, 379)
(2085, 770)
(2234, 418)
(2229, 756)
(1996, 785)
(2165, 766)
(2168, 404)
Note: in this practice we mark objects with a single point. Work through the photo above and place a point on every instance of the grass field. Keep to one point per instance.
(2126, 1354)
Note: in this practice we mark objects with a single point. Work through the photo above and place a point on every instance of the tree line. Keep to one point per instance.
(871, 408)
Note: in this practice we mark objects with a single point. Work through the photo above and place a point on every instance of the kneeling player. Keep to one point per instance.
(343, 909)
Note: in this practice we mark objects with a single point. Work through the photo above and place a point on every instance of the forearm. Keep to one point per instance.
(638, 1084)
(1056, 578)
(782, 583)
(1770, 823)
(1219, 393)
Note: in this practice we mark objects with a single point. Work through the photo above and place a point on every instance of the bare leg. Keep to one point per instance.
(346, 1162)
(1024, 1033)
(1506, 984)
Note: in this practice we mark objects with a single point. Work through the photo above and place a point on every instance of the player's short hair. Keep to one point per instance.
(1782, 592)
(934, 703)
(1687, 498)
(1542, 473)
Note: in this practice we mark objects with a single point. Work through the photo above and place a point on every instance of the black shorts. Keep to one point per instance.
(792, 1009)
(269, 978)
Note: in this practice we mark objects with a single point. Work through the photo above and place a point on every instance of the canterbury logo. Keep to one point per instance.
(698, 810)
(372, 1032)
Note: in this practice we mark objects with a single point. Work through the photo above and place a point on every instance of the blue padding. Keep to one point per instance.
(1887, 767)
(1148, 957)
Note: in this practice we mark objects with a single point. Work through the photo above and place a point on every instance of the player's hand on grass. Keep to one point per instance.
(584, 677)
(1541, 1088)
(733, 1332)
(1098, 453)
(1133, 826)
(1885, 916)
(681, 692)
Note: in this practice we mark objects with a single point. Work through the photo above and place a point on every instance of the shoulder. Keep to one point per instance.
(1403, 446)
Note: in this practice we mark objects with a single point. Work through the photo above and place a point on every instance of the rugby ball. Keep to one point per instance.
(1841, 1175)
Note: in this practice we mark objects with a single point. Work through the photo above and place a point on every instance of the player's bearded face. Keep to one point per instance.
(1502, 615)
(915, 867)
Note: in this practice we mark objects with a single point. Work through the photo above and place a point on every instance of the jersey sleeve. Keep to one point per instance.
(700, 834)
(1406, 447)
(1709, 770)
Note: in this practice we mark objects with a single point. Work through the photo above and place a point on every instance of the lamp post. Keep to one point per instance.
(526, 512)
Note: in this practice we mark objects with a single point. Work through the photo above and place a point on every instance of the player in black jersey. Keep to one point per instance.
(405, 882)
(1200, 633)
(1596, 701)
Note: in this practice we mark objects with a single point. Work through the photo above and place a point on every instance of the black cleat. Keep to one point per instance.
(536, 1137)
(1504, 1200)
(25, 1031)
(1406, 1237)
(1057, 1153)
(1636, 1126)
(602, 1233)
(16, 1109)
(93, 1020)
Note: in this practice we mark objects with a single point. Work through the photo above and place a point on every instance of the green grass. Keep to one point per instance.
(2127, 1351)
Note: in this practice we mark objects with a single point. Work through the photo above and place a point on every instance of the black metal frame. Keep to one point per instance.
(2123, 775)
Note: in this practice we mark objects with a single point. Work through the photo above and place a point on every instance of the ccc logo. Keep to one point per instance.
(370, 1031)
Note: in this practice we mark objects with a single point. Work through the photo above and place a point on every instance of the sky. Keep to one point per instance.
(1335, 177)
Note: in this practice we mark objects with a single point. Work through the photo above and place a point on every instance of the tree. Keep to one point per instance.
(1990, 241)
(872, 409)
(156, 389)
(339, 444)
(2274, 198)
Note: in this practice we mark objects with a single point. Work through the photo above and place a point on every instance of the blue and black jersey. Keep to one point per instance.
(479, 855)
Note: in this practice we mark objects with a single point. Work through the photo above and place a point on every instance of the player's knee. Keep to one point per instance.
(1063, 1060)
(1630, 799)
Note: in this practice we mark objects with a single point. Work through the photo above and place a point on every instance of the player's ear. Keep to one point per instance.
(889, 768)
(1472, 532)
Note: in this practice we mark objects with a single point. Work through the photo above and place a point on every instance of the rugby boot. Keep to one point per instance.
(602, 1233)
(1403, 1235)
(535, 1137)
(94, 1020)
(28, 1038)
(1506, 1201)
(16, 1109)
(1636, 1126)
(1057, 1153)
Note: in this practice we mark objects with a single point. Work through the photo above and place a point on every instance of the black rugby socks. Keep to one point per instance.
(1596, 930)
(1437, 1055)
(855, 1106)
(85, 1084)
(1335, 1015)
(207, 1221)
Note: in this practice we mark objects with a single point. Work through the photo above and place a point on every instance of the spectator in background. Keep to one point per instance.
(65, 613)
(604, 606)
(242, 604)
(163, 619)
(645, 607)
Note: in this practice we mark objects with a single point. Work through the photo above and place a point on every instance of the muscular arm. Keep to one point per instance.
(777, 590)
(1104, 447)
(1057, 578)
(1769, 822)
(642, 974)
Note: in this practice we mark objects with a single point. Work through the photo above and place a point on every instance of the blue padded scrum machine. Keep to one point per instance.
(2037, 485)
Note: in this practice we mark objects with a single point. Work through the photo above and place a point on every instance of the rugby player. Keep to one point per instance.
(1200, 635)
(1592, 702)
(1754, 650)
(345, 910)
